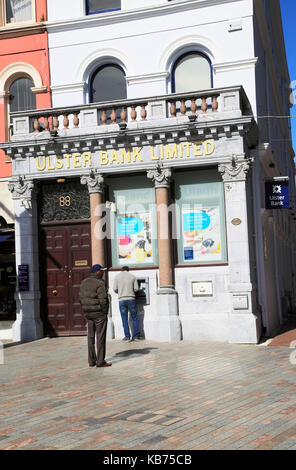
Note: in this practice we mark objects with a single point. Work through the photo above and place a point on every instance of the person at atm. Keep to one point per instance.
(126, 286)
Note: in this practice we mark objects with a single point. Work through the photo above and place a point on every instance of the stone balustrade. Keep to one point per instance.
(124, 112)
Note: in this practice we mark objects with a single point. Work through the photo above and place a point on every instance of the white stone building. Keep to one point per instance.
(159, 103)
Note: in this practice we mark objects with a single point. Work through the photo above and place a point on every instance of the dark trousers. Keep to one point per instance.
(96, 330)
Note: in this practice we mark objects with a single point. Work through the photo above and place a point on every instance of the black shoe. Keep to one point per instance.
(92, 365)
(125, 340)
(138, 338)
(105, 364)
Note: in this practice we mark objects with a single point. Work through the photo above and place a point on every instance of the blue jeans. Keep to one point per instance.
(125, 306)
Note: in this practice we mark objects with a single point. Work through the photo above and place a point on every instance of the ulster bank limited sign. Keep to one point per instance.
(115, 158)
(277, 194)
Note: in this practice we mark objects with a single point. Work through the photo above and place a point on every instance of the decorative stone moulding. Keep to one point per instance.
(235, 170)
(22, 189)
(95, 182)
(160, 176)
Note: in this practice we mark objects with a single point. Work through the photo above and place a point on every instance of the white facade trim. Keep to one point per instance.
(100, 57)
(139, 13)
(235, 65)
(150, 77)
(189, 43)
(10, 72)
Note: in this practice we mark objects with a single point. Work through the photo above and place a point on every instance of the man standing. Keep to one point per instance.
(94, 300)
(126, 286)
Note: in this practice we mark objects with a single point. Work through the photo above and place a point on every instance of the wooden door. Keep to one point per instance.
(66, 260)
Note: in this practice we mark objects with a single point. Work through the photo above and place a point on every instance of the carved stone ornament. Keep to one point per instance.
(235, 170)
(22, 189)
(94, 181)
(161, 176)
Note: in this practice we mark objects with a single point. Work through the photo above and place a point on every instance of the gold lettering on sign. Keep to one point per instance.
(81, 262)
(125, 156)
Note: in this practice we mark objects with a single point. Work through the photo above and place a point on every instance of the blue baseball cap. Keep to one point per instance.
(97, 267)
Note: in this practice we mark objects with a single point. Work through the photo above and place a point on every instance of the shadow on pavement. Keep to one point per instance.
(132, 352)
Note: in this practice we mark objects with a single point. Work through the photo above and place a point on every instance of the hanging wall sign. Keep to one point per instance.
(277, 194)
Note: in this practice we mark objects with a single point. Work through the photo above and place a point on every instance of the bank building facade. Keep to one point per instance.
(155, 155)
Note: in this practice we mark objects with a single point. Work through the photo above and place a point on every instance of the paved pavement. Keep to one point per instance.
(156, 396)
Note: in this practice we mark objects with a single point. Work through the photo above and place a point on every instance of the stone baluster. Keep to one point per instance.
(215, 104)
(103, 117)
(113, 116)
(123, 114)
(36, 125)
(56, 123)
(76, 120)
(183, 108)
(133, 113)
(46, 123)
(204, 105)
(173, 109)
(66, 122)
(143, 112)
(193, 106)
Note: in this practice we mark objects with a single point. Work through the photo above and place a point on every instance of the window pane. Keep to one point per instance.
(20, 95)
(200, 200)
(133, 226)
(94, 6)
(192, 73)
(108, 84)
(18, 10)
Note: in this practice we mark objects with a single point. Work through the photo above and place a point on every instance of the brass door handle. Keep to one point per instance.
(54, 292)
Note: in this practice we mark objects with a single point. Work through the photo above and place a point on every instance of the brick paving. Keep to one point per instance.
(156, 396)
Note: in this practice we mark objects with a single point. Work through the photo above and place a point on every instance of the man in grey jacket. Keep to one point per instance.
(126, 286)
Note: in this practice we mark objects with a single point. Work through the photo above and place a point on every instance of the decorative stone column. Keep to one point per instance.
(244, 323)
(28, 325)
(95, 183)
(167, 326)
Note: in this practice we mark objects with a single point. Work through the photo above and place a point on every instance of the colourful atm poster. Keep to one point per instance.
(134, 233)
(201, 235)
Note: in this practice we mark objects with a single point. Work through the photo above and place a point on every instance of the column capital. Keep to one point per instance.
(94, 181)
(235, 170)
(23, 189)
(160, 176)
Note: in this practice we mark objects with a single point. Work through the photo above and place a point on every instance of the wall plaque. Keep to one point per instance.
(23, 277)
(81, 262)
(236, 221)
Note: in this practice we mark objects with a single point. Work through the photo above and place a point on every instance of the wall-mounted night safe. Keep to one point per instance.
(143, 293)
(202, 288)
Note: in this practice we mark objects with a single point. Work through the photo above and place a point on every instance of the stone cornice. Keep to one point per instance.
(172, 130)
(15, 31)
(137, 14)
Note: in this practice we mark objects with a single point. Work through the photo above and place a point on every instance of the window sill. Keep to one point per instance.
(102, 11)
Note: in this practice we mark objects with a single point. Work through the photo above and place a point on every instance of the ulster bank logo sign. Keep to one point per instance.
(277, 194)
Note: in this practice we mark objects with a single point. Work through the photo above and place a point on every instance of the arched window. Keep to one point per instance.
(20, 95)
(191, 72)
(108, 83)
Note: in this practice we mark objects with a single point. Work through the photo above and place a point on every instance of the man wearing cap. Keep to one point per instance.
(93, 297)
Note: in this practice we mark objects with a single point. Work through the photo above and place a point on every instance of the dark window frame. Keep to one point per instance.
(88, 12)
(95, 72)
(179, 59)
